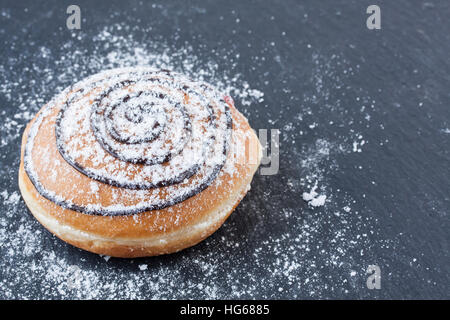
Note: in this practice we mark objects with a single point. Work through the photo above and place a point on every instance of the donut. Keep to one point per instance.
(136, 162)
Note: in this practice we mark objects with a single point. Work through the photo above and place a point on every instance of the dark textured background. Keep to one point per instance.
(322, 59)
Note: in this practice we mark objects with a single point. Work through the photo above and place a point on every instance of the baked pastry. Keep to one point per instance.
(136, 162)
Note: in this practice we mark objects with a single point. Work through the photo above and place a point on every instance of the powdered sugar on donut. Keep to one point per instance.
(179, 146)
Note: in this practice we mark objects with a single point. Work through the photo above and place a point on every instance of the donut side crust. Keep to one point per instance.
(154, 232)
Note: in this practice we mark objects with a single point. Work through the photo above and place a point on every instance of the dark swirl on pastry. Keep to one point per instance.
(141, 130)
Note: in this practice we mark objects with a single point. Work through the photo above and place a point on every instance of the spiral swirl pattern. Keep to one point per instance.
(154, 132)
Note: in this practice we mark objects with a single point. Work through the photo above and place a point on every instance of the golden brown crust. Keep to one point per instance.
(153, 232)
(129, 247)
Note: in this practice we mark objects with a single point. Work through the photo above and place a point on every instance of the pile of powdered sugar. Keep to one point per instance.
(314, 251)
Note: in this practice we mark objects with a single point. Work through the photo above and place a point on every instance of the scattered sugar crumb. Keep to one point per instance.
(313, 198)
(143, 267)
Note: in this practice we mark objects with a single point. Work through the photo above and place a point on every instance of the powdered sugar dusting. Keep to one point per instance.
(272, 248)
(184, 155)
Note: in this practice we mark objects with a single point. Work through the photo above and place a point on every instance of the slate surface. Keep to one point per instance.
(365, 114)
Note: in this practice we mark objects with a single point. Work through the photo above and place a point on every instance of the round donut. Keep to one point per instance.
(135, 162)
